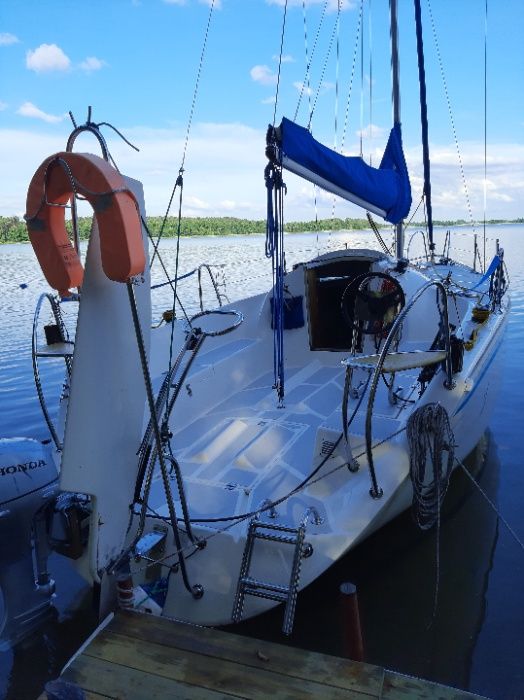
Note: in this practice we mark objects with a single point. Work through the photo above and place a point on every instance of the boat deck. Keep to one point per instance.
(235, 455)
(141, 656)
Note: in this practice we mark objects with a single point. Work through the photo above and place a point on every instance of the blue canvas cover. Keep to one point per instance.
(385, 190)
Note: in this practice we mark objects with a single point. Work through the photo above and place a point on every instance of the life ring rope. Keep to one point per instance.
(77, 188)
(60, 178)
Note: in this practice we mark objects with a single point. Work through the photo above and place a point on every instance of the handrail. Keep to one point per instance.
(213, 282)
(92, 129)
(149, 451)
(34, 357)
(198, 272)
(421, 231)
(376, 491)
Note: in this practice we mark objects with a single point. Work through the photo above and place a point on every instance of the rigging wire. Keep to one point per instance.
(361, 93)
(308, 67)
(485, 122)
(308, 92)
(452, 119)
(307, 76)
(324, 67)
(188, 129)
(370, 41)
(280, 61)
(337, 81)
(197, 84)
(352, 76)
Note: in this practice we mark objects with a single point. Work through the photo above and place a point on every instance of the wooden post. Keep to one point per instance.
(352, 643)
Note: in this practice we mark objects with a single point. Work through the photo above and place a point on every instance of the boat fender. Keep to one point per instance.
(57, 180)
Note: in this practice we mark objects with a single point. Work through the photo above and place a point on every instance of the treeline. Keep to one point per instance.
(13, 229)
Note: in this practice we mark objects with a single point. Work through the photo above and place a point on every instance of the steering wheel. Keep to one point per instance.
(219, 312)
(377, 308)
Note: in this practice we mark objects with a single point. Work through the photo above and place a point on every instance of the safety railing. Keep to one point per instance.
(379, 365)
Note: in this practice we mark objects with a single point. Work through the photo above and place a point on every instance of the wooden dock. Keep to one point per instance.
(141, 656)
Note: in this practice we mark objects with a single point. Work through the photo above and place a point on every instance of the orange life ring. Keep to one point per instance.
(55, 182)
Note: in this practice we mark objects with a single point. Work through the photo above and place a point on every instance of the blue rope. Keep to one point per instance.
(274, 249)
(489, 272)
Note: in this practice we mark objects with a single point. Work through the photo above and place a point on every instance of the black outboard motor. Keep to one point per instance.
(28, 489)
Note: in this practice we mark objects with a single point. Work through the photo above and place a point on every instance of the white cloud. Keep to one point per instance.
(196, 203)
(303, 89)
(91, 64)
(269, 100)
(3, 106)
(286, 58)
(371, 131)
(224, 166)
(504, 185)
(263, 75)
(47, 58)
(28, 109)
(6, 39)
(224, 162)
(327, 86)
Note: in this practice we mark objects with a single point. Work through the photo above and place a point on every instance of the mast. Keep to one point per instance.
(424, 124)
(395, 68)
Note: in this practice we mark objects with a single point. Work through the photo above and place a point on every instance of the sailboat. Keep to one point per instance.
(218, 464)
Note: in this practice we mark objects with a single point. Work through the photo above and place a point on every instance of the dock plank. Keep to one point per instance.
(124, 683)
(139, 656)
(305, 665)
(399, 687)
(209, 672)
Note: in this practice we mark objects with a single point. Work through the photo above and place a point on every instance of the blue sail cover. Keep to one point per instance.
(386, 190)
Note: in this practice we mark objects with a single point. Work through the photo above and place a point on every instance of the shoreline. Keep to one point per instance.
(301, 228)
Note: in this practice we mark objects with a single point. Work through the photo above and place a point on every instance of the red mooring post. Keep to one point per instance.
(352, 643)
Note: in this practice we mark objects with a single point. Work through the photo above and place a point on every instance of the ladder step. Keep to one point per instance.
(283, 539)
(274, 527)
(247, 585)
(268, 595)
(249, 581)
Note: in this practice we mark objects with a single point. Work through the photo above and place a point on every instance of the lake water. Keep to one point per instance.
(476, 640)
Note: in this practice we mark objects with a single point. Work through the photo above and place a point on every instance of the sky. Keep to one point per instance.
(136, 63)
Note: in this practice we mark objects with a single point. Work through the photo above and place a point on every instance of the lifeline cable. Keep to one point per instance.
(241, 517)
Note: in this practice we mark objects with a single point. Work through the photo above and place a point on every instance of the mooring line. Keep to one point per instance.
(493, 506)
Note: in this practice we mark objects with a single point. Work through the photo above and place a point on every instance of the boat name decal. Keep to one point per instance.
(27, 466)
